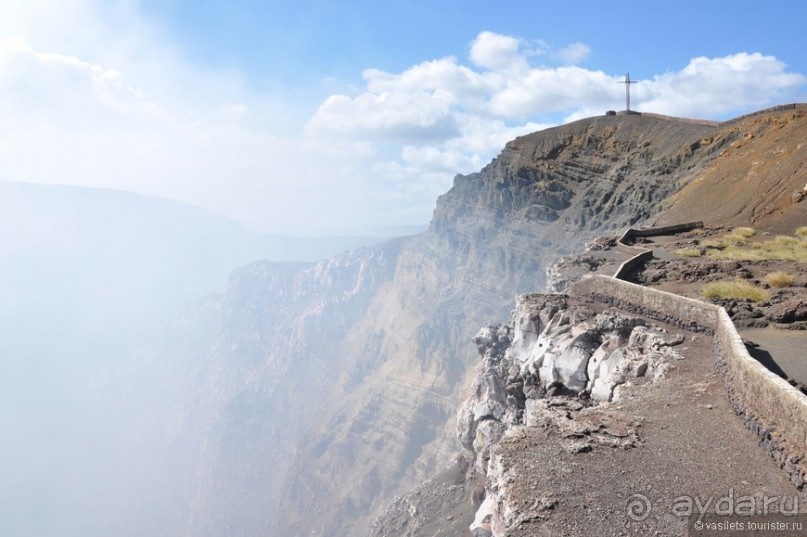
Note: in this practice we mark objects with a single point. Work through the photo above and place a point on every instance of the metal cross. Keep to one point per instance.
(627, 83)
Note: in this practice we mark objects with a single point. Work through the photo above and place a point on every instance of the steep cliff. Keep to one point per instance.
(320, 392)
(547, 368)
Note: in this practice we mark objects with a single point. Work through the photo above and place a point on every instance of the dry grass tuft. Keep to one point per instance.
(744, 232)
(737, 253)
(737, 289)
(779, 279)
(786, 241)
(802, 232)
(783, 247)
(687, 252)
(717, 244)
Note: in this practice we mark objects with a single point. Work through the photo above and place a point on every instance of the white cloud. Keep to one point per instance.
(69, 121)
(709, 87)
(461, 83)
(574, 53)
(47, 86)
(486, 137)
(437, 159)
(387, 116)
(498, 52)
(480, 139)
(543, 91)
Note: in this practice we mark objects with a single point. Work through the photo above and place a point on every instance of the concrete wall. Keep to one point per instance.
(639, 253)
(661, 305)
(770, 407)
(631, 233)
(628, 266)
(628, 249)
(625, 242)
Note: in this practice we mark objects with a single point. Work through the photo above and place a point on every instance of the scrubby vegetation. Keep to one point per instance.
(779, 279)
(738, 236)
(737, 289)
(717, 244)
(735, 246)
(744, 232)
(688, 252)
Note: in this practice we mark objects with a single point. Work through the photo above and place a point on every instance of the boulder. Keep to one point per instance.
(788, 311)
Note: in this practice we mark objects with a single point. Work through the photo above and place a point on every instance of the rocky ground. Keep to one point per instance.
(678, 437)
(785, 309)
(439, 507)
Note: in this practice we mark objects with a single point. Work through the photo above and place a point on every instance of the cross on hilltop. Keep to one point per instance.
(627, 83)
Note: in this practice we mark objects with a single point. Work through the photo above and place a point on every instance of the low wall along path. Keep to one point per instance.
(769, 406)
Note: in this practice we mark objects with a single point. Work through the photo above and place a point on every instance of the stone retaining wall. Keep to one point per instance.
(628, 249)
(640, 254)
(772, 408)
(632, 233)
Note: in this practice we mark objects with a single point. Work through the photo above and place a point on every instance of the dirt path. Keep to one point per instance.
(692, 445)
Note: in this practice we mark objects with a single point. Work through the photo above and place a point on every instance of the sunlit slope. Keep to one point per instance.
(757, 165)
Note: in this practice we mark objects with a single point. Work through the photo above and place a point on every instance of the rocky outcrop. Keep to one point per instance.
(552, 366)
(568, 269)
(439, 507)
(579, 180)
(788, 311)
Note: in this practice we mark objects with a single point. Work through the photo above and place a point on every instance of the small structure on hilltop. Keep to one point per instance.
(627, 110)
(627, 83)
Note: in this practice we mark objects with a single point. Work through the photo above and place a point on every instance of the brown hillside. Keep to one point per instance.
(760, 163)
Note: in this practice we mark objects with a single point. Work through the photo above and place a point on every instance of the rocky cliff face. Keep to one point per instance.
(545, 369)
(320, 392)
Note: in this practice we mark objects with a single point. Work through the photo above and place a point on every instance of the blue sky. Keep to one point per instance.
(309, 40)
(319, 117)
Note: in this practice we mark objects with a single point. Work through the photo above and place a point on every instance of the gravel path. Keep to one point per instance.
(692, 445)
